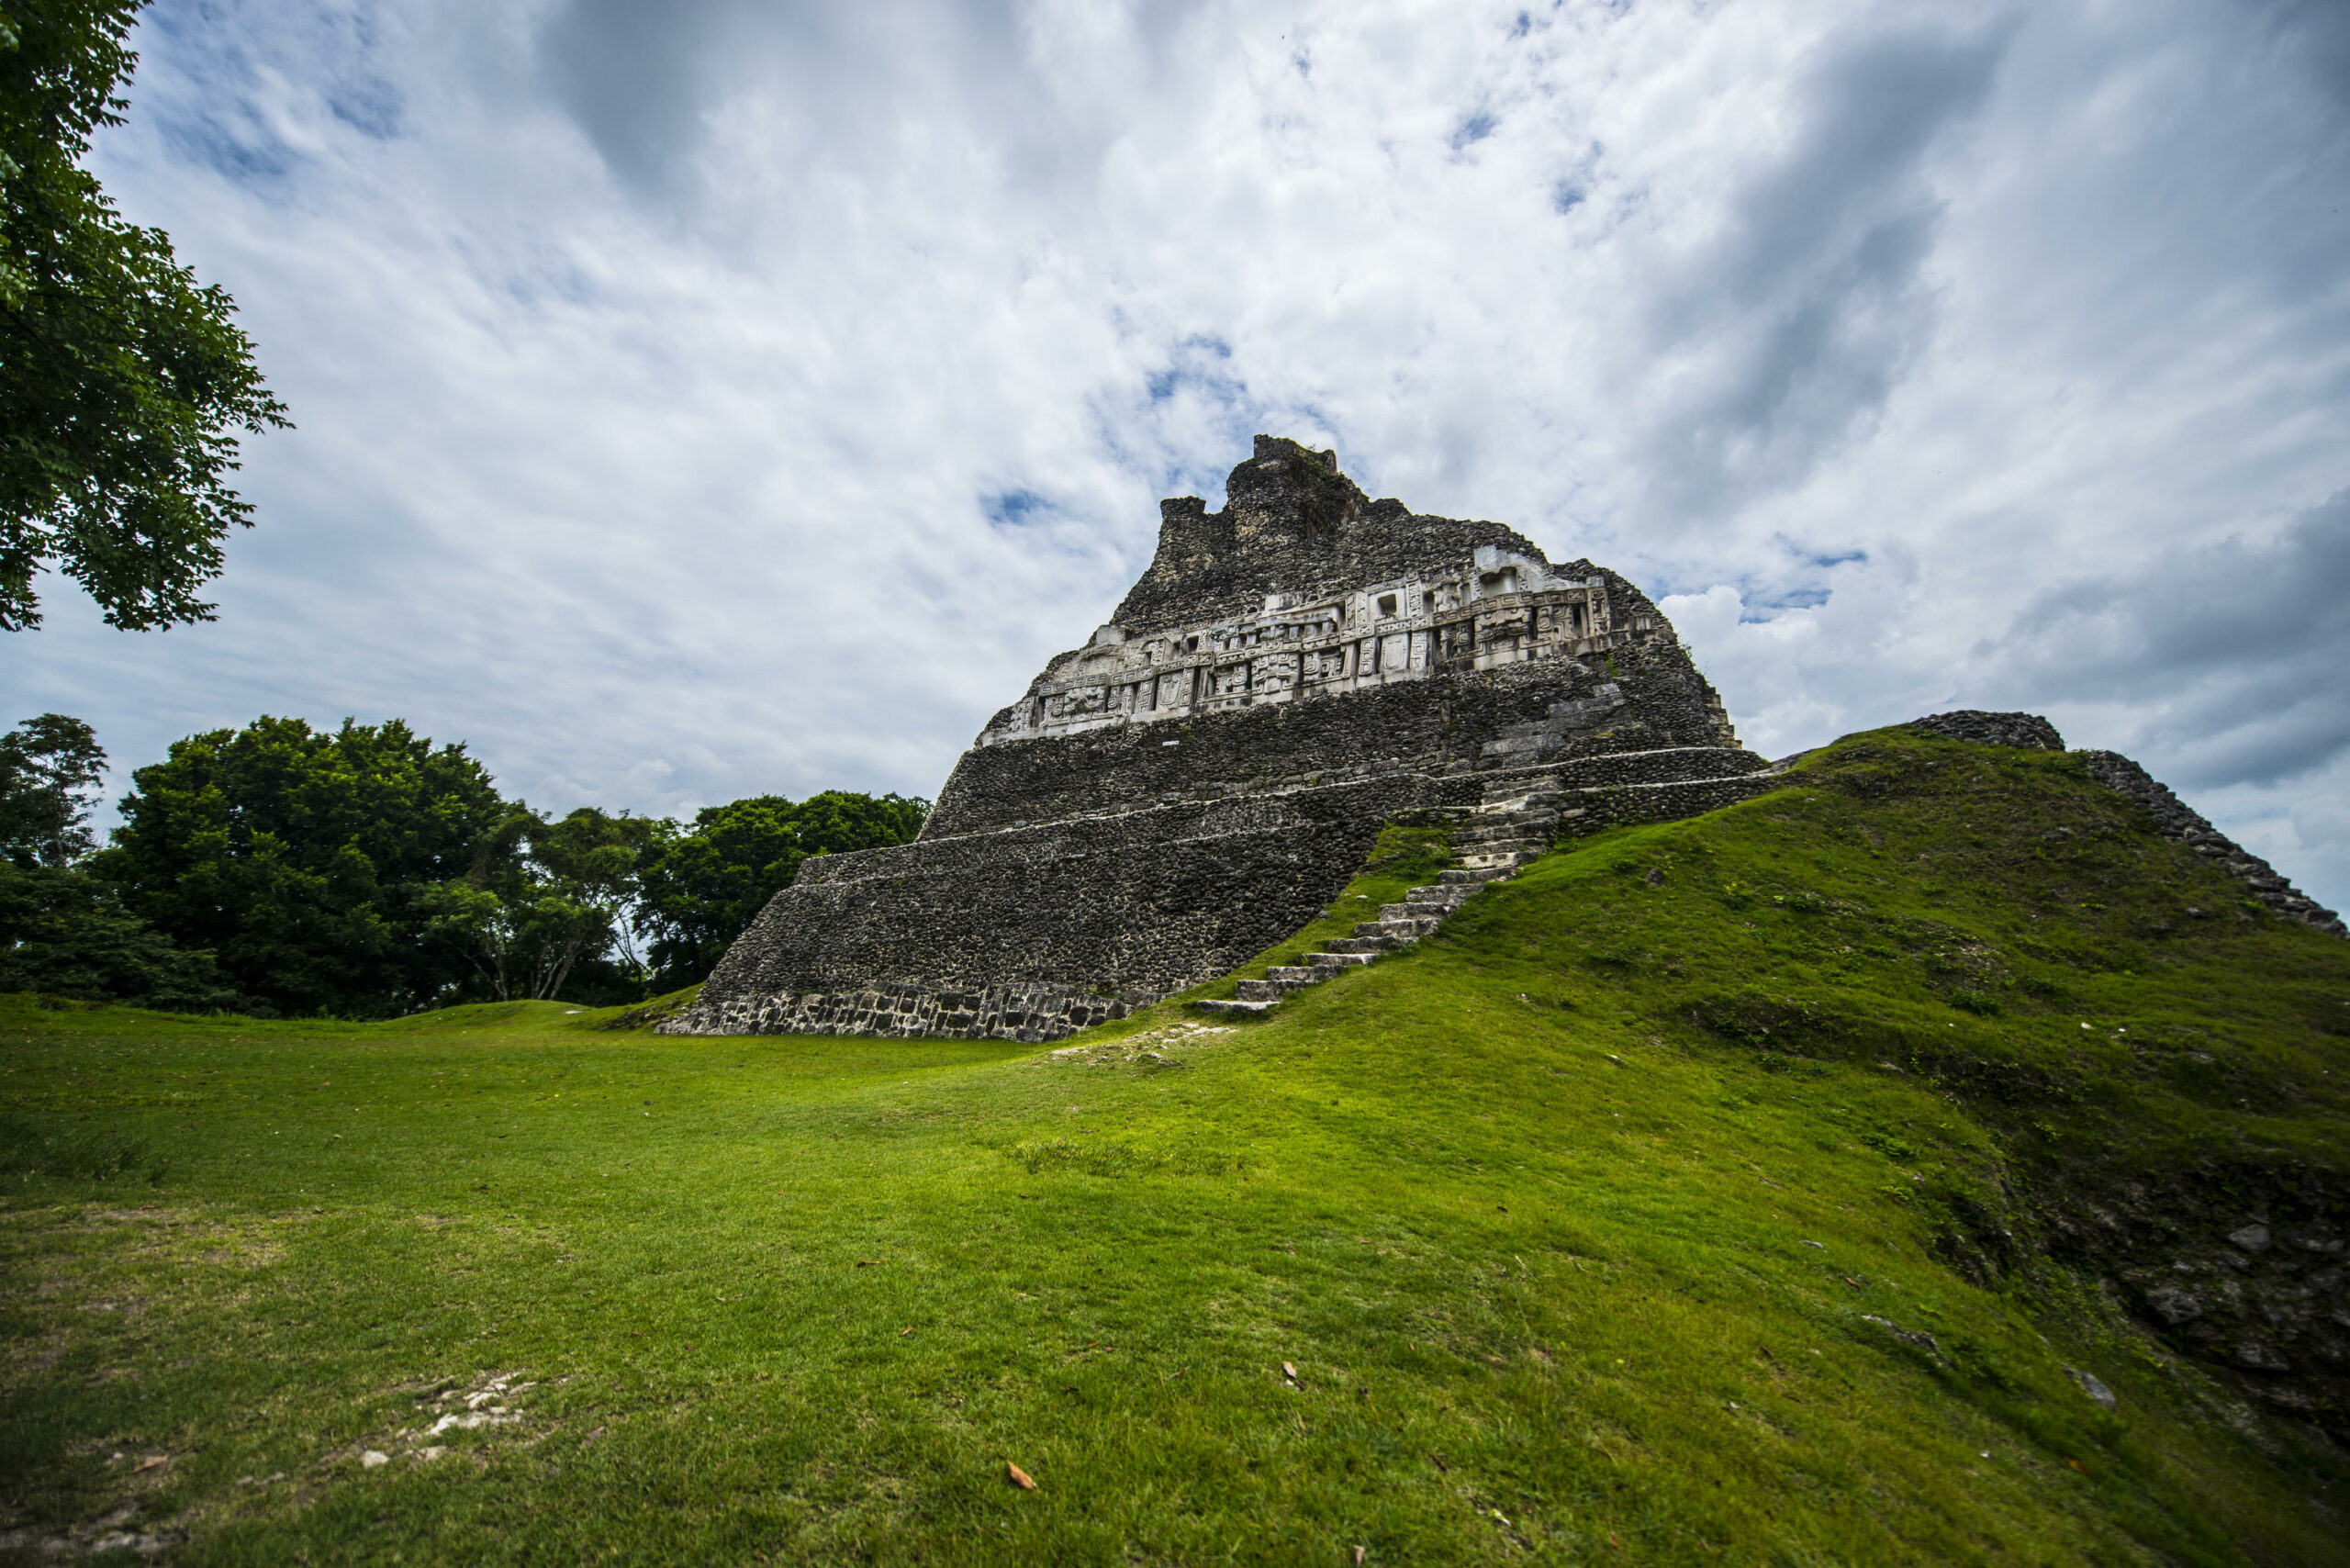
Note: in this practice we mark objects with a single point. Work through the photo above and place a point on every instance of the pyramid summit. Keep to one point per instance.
(1198, 781)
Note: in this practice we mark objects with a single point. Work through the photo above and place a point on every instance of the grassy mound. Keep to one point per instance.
(1743, 1190)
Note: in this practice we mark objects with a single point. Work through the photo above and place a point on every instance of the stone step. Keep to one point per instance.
(1415, 910)
(1477, 875)
(1516, 805)
(1338, 960)
(1364, 947)
(1227, 1004)
(1515, 832)
(1264, 990)
(1506, 821)
(1449, 894)
(1486, 856)
(1404, 931)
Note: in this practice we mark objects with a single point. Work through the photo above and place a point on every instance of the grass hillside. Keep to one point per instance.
(1756, 1188)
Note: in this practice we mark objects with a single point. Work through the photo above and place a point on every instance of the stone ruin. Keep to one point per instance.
(1203, 777)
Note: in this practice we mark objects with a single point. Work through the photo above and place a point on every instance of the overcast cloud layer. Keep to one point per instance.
(725, 397)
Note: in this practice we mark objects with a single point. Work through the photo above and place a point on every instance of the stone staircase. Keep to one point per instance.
(1514, 823)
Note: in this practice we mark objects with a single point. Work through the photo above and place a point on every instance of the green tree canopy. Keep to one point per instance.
(309, 862)
(62, 931)
(706, 884)
(49, 768)
(529, 920)
(121, 378)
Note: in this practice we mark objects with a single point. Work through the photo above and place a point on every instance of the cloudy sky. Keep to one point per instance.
(725, 397)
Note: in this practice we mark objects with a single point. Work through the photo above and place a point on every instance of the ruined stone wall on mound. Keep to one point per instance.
(1113, 909)
(1421, 727)
(2024, 731)
(1618, 805)
(1515, 714)
(1029, 1012)
(1302, 804)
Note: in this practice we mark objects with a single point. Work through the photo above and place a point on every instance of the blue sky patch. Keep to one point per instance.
(1473, 130)
(1015, 509)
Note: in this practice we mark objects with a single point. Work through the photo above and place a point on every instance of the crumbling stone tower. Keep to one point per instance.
(1205, 774)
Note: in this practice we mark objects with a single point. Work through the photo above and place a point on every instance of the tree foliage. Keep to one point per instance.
(309, 862)
(49, 766)
(365, 872)
(529, 919)
(62, 932)
(711, 879)
(122, 378)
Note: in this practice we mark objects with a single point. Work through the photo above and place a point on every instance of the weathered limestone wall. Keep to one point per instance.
(1116, 926)
(1455, 721)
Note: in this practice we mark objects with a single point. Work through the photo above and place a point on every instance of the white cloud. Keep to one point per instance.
(749, 398)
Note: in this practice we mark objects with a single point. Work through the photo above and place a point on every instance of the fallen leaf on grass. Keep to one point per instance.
(1288, 1371)
(153, 1459)
(906, 1330)
(1019, 1476)
(869, 1262)
(1363, 1551)
(1439, 1465)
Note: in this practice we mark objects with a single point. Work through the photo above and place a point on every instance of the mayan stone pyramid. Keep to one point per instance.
(1206, 774)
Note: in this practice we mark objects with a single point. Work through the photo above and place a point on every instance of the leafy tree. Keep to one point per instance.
(64, 933)
(61, 930)
(120, 375)
(48, 767)
(309, 862)
(528, 919)
(710, 881)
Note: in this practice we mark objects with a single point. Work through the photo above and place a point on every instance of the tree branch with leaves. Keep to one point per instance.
(123, 380)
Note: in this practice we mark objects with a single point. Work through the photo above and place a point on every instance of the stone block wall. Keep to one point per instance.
(1589, 810)
(1110, 912)
(1639, 698)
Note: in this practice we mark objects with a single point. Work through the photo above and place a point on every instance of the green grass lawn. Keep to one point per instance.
(1614, 1225)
